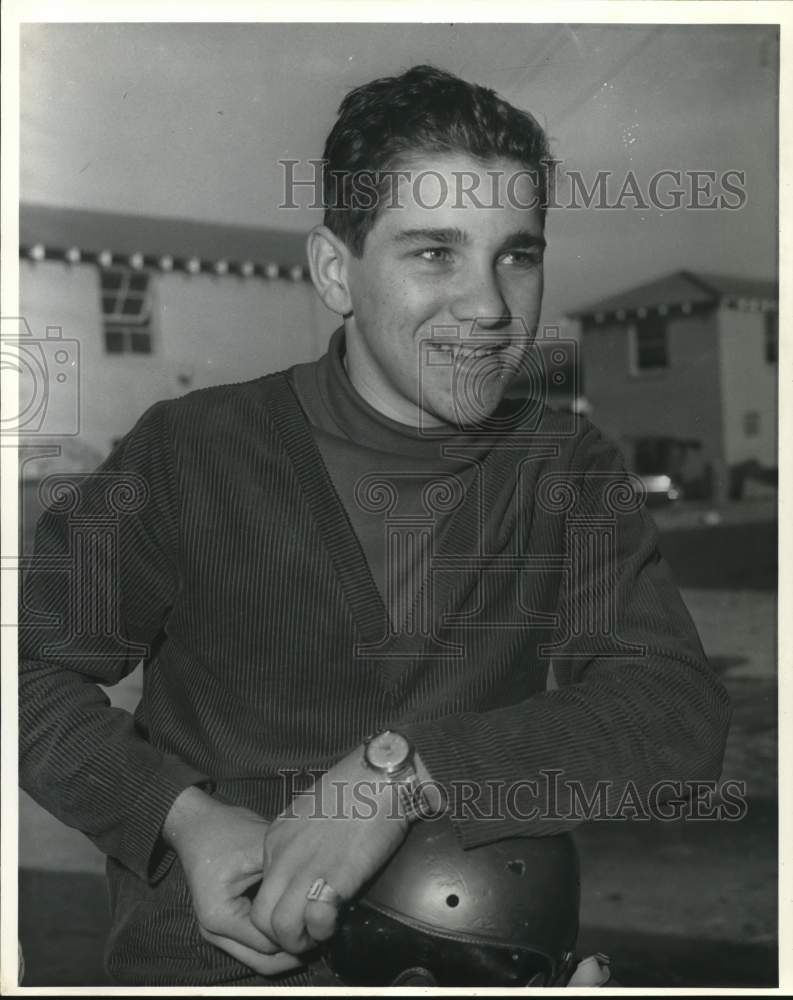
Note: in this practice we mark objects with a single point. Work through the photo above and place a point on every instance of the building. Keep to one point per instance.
(682, 372)
(119, 311)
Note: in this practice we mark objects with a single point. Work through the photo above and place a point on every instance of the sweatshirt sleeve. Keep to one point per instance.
(626, 712)
(95, 601)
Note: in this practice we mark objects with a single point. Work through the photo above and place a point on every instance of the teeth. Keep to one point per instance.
(468, 352)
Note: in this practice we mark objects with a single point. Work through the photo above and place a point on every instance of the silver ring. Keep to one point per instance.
(321, 892)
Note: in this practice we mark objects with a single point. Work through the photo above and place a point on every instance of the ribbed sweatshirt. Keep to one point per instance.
(547, 637)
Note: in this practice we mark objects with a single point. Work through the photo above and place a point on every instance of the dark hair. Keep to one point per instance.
(424, 110)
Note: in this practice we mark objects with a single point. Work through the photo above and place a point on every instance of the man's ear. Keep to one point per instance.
(327, 261)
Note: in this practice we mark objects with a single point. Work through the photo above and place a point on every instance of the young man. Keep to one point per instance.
(358, 576)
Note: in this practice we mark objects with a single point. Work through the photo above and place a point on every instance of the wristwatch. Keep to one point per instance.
(391, 755)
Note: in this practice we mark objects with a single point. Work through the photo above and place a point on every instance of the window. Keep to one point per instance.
(751, 423)
(771, 337)
(650, 343)
(126, 311)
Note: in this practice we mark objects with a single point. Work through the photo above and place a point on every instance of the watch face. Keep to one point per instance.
(387, 751)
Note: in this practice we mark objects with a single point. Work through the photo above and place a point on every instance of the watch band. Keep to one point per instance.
(412, 799)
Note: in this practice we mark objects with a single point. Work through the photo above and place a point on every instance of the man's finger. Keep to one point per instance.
(320, 919)
(270, 891)
(239, 928)
(288, 917)
(265, 965)
(306, 913)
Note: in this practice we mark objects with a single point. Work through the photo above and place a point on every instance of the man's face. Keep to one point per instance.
(446, 296)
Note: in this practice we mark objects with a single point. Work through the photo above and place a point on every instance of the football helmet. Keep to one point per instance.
(505, 914)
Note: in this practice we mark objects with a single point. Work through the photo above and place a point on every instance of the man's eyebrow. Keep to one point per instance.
(451, 235)
(523, 238)
(457, 237)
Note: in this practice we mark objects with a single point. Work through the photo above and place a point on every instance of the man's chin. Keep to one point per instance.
(462, 414)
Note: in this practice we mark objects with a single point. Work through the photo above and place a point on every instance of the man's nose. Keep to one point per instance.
(480, 300)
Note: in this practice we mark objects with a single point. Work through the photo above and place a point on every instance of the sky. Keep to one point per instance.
(191, 120)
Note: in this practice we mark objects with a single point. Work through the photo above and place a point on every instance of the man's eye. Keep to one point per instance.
(522, 258)
(435, 253)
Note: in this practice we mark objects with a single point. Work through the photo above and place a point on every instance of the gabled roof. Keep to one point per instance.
(681, 289)
(91, 232)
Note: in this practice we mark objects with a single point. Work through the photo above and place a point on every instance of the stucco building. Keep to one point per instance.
(682, 372)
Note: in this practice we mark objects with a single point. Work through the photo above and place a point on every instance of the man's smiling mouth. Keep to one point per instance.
(463, 353)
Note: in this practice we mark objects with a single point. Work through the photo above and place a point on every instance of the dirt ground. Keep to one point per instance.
(675, 904)
(682, 899)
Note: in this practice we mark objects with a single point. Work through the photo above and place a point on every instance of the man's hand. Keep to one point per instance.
(343, 830)
(220, 849)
